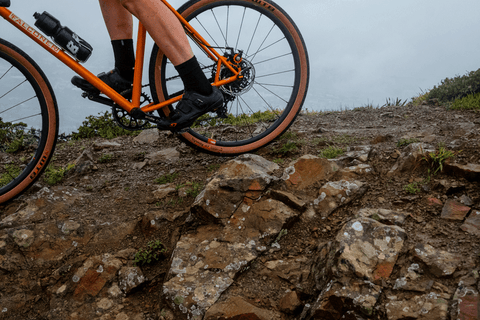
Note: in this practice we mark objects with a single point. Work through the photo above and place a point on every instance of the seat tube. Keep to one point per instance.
(140, 54)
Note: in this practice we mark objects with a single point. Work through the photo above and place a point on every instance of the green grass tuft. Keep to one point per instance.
(470, 102)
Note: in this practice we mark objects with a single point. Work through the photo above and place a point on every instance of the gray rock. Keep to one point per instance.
(409, 158)
(430, 306)
(147, 136)
(130, 278)
(441, 263)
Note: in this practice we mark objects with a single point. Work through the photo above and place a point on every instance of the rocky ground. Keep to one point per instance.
(375, 233)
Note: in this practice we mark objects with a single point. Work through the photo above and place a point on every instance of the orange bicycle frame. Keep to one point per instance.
(128, 106)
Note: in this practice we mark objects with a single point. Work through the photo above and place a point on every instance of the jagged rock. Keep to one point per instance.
(239, 180)
(466, 303)
(353, 172)
(472, 224)
(289, 303)
(105, 145)
(434, 202)
(350, 270)
(289, 199)
(411, 279)
(237, 308)
(295, 270)
(205, 263)
(26, 215)
(85, 162)
(164, 190)
(365, 249)
(441, 263)
(339, 298)
(139, 165)
(23, 238)
(453, 210)
(384, 216)
(470, 171)
(130, 278)
(410, 157)
(335, 194)
(152, 219)
(147, 136)
(353, 156)
(95, 273)
(430, 306)
(466, 200)
(170, 154)
(308, 170)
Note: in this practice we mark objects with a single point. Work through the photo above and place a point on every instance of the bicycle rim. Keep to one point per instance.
(263, 105)
(28, 121)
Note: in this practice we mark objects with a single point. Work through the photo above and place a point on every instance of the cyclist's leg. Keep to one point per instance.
(163, 27)
(168, 33)
(119, 24)
(118, 20)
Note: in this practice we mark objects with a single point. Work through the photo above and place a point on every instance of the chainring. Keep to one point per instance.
(126, 121)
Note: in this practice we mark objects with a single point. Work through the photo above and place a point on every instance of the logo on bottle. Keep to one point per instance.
(72, 47)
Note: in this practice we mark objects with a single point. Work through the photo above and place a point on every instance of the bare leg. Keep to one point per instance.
(163, 27)
(118, 20)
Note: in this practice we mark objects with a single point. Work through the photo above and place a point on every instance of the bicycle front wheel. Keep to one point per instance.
(265, 102)
(28, 121)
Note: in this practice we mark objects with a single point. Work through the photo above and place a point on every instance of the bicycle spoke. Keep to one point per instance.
(18, 104)
(253, 35)
(265, 39)
(270, 46)
(3, 75)
(28, 117)
(275, 73)
(273, 58)
(219, 28)
(240, 29)
(14, 88)
(272, 92)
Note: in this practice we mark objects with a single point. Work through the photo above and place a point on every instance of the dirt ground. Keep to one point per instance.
(113, 190)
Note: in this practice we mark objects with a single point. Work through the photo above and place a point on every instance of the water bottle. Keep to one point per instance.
(63, 36)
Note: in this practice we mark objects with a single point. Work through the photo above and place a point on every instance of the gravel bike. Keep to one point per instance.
(250, 49)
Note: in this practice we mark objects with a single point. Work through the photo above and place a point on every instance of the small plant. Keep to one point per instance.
(331, 152)
(105, 158)
(11, 172)
(213, 167)
(54, 175)
(397, 102)
(470, 102)
(168, 178)
(412, 188)
(282, 233)
(278, 161)
(406, 141)
(287, 147)
(194, 190)
(438, 158)
(416, 101)
(289, 135)
(153, 252)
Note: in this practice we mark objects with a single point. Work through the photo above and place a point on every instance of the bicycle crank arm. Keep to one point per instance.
(99, 99)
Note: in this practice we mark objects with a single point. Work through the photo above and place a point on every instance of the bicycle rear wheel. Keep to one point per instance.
(262, 105)
(28, 121)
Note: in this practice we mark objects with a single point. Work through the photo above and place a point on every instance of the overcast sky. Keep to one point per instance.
(361, 51)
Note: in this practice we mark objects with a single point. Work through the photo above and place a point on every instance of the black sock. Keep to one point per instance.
(193, 77)
(124, 57)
